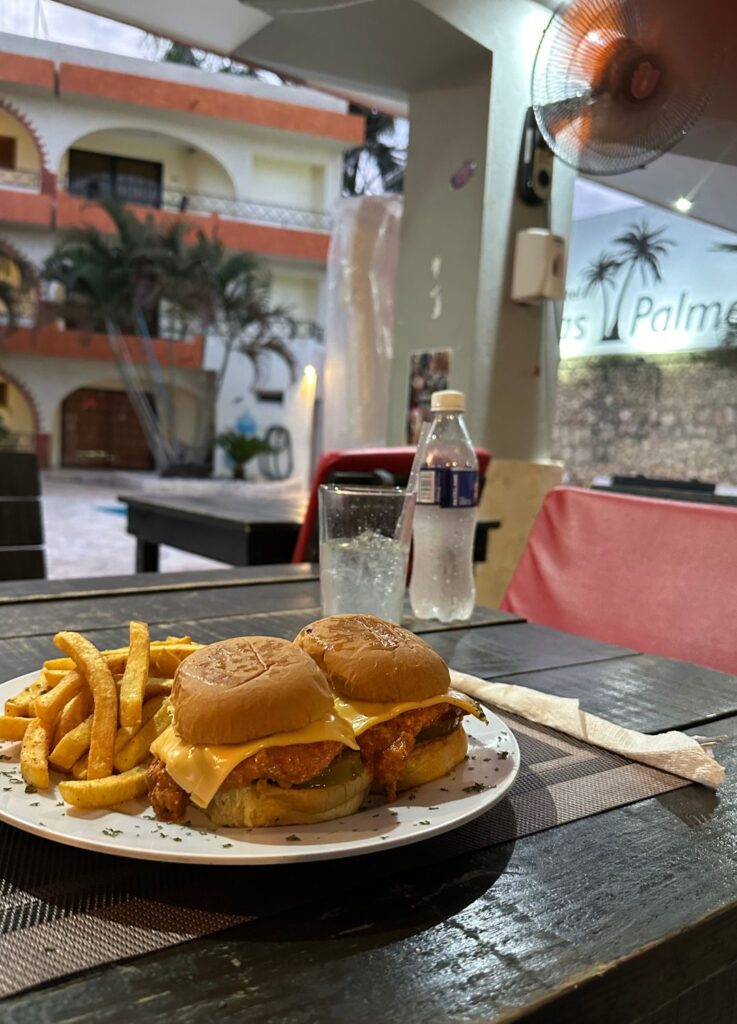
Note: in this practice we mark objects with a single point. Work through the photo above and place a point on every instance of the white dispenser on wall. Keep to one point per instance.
(539, 266)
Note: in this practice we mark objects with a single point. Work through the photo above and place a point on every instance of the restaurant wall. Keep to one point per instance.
(648, 377)
(671, 416)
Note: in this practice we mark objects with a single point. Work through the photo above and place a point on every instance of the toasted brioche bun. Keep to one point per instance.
(433, 760)
(262, 804)
(246, 688)
(368, 659)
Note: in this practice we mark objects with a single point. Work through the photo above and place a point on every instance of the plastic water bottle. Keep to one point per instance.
(442, 585)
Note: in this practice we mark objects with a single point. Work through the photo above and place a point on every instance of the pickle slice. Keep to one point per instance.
(343, 769)
(440, 729)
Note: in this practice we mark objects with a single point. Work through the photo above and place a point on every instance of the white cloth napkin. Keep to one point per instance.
(689, 757)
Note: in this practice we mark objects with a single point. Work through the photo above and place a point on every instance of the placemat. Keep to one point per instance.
(64, 910)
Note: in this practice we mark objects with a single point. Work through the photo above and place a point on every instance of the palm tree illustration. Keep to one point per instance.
(602, 273)
(643, 247)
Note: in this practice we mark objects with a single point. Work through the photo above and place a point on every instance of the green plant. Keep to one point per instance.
(241, 450)
(118, 280)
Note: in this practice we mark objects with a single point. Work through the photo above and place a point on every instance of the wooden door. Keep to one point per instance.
(100, 429)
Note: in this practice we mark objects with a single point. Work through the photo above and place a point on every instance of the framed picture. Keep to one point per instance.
(428, 372)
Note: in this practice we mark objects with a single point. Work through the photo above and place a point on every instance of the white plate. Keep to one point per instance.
(132, 831)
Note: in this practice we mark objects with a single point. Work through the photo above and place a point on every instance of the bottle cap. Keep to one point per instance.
(448, 401)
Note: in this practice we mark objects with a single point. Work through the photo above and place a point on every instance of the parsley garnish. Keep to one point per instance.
(294, 839)
(227, 846)
(502, 755)
(477, 787)
(112, 832)
(426, 822)
(31, 789)
(35, 804)
(176, 839)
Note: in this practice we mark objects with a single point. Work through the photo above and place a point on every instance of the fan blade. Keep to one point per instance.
(618, 82)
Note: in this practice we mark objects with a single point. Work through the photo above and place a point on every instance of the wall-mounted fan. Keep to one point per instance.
(616, 83)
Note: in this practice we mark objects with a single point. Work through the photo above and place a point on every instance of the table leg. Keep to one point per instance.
(147, 556)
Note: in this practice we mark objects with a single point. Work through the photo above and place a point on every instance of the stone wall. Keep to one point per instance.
(671, 416)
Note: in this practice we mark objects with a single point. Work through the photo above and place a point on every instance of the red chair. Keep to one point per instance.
(654, 575)
(397, 461)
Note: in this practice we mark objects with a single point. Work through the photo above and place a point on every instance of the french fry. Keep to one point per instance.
(137, 749)
(73, 746)
(72, 715)
(92, 665)
(34, 754)
(49, 705)
(135, 676)
(21, 703)
(156, 686)
(70, 754)
(59, 664)
(13, 727)
(105, 792)
(166, 662)
(52, 676)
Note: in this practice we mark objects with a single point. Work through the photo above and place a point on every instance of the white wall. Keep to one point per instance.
(505, 355)
(288, 182)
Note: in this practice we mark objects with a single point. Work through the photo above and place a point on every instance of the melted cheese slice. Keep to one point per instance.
(363, 715)
(201, 771)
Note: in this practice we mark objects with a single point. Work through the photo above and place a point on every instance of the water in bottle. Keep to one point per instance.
(447, 482)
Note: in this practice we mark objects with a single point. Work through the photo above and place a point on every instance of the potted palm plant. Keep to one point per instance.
(240, 450)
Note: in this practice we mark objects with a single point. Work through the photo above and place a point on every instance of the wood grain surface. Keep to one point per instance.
(627, 916)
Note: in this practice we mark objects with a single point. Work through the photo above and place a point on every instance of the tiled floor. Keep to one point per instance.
(84, 538)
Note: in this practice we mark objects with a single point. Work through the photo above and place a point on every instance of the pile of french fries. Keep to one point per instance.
(94, 715)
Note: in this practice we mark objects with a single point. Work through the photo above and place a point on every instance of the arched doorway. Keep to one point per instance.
(22, 154)
(100, 429)
(17, 412)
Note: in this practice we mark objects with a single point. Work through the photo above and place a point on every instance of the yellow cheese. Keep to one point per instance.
(363, 715)
(201, 770)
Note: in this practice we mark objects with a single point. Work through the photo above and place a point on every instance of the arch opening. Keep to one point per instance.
(145, 167)
(21, 157)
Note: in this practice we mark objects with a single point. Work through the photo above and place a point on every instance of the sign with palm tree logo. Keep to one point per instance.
(656, 282)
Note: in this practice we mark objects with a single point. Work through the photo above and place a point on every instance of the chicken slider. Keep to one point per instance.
(394, 690)
(255, 740)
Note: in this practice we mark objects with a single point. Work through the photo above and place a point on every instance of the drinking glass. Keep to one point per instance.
(365, 535)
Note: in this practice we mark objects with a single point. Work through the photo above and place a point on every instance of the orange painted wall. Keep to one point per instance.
(25, 208)
(152, 92)
(50, 341)
(274, 241)
(17, 69)
(71, 211)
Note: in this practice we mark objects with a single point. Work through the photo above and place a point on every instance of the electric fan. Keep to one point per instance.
(616, 83)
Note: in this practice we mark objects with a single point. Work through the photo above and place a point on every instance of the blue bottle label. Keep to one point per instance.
(448, 487)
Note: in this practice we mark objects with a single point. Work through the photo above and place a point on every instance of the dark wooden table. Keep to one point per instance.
(627, 916)
(244, 531)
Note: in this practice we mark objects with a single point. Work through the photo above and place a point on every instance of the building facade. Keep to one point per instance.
(258, 165)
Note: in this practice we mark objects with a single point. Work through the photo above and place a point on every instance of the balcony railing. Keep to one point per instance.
(247, 209)
(20, 178)
(147, 193)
